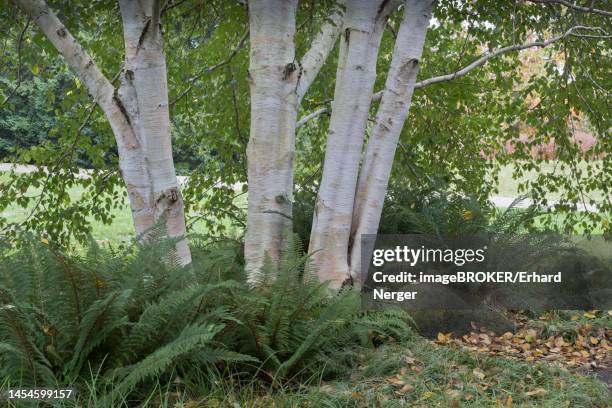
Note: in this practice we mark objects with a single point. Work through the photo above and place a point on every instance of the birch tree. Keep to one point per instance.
(392, 112)
(349, 205)
(463, 88)
(137, 111)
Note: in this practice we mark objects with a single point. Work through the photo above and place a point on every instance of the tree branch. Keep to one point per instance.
(169, 4)
(19, 76)
(310, 116)
(235, 105)
(575, 7)
(76, 57)
(100, 88)
(500, 51)
(324, 42)
(208, 70)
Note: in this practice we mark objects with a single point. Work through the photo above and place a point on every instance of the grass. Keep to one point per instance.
(508, 186)
(446, 377)
(120, 229)
(570, 323)
(417, 373)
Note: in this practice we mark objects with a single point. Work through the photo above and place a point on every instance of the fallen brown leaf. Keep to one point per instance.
(478, 373)
(395, 380)
(538, 392)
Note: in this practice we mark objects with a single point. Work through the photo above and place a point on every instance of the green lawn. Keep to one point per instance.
(508, 186)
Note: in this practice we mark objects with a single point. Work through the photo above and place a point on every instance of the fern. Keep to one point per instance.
(97, 310)
(20, 350)
(294, 323)
(101, 319)
(196, 337)
(134, 316)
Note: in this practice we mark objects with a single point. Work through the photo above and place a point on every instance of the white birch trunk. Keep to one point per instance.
(390, 118)
(151, 193)
(278, 83)
(273, 75)
(144, 93)
(329, 240)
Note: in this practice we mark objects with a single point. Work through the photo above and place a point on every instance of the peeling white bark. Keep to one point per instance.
(273, 75)
(362, 31)
(278, 82)
(390, 118)
(144, 93)
(137, 113)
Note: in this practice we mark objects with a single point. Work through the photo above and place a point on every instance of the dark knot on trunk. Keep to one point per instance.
(289, 69)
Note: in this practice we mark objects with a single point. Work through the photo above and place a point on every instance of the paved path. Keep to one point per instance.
(28, 168)
(505, 202)
(83, 173)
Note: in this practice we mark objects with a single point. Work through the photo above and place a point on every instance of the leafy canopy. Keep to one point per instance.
(549, 94)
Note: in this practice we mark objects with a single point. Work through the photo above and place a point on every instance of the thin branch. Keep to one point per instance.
(599, 37)
(277, 212)
(489, 55)
(310, 116)
(309, 18)
(169, 4)
(575, 7)
(66, 155)
(208, 70)
(235, 104)
(465, 42)
(19, 44)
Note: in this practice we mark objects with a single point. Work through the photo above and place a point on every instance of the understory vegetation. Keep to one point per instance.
(129, 327)
(116, 324)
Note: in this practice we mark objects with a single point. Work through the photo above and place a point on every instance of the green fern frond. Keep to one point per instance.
(102, 318)
(20, 348)
(193, 338)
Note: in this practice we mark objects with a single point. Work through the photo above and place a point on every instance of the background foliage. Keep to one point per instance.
(453, 132)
